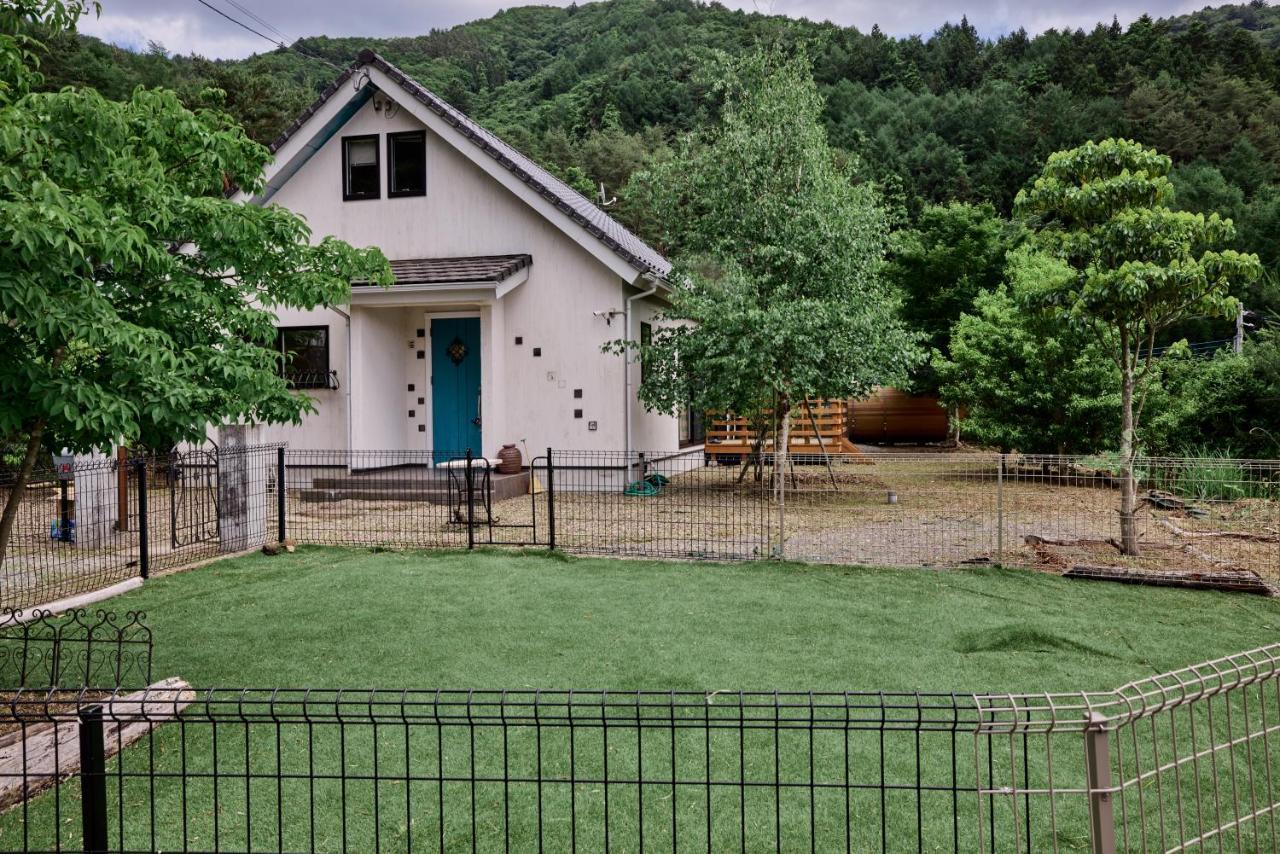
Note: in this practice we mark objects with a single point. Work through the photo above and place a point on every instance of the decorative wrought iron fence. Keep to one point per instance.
(40, 651)
(1186, 760)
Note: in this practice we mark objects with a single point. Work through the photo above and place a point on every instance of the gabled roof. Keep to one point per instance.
(596, 222)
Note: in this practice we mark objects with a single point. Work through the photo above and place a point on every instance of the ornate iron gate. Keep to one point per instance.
(193, 497)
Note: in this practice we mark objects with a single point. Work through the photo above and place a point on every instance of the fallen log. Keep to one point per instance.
(47, 749)
(1232, 535)
(1037, 540)
(1240, 580)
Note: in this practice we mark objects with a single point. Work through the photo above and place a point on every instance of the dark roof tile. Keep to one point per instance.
(478, 269)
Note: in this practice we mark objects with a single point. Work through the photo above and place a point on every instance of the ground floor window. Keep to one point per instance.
(304, 356)
(693, 428)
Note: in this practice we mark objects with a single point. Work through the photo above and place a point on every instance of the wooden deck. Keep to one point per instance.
(827, 431)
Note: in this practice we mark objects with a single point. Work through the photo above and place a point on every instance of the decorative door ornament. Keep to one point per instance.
(457, 351)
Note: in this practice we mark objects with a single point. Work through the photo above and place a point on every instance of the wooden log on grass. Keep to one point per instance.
(47, 749)
(1238, 580)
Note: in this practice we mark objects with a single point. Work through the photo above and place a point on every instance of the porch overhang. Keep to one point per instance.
(419, 281)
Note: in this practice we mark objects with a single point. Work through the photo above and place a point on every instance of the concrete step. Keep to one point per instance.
(432, 480)
(371, 493)
(401, 488)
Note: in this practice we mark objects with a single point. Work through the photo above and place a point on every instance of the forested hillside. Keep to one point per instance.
(948, 125)
(596, 90)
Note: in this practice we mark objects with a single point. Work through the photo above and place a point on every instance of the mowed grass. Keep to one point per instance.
(337, 618)
(328, 618)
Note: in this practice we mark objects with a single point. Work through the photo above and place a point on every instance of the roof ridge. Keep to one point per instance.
(613, 234)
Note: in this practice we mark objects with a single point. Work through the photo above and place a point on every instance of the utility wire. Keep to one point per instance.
(277, 42)
(246, 10)
(240, 23)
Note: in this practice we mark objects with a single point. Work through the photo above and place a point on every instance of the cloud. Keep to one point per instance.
(185, 26)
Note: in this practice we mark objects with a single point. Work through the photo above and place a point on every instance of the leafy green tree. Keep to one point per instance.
(1229, 403)
(1025, 381)
(779, 295)
(1138, 267)
(954, 252)
(136, 297)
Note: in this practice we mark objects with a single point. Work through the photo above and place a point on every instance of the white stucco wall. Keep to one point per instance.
(467, 212)
(328, 427)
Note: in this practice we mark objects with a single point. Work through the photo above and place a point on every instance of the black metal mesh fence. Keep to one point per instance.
(76, 530)
(1197, 522)
(1187, 760)
(97, 521)
(669, 505)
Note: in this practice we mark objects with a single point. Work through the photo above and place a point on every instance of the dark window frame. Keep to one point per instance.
(391, 164)
(697, 427)
(347, 195)
(646, 338)
(325, 379)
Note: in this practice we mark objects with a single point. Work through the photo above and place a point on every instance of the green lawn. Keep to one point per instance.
(330, 618)
(338, 618)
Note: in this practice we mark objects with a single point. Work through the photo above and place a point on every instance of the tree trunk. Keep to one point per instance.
(1128, 450)
(781, 447)
(19, 487)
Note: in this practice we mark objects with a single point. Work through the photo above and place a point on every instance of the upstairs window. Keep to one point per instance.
(360, 167)
(304, 356)
(407, 164)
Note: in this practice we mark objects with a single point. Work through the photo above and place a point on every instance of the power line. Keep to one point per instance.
(240, 23)
(277, 43)
(258, 18)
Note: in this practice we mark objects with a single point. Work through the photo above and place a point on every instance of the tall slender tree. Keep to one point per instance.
(778, 291)
(1137, 268)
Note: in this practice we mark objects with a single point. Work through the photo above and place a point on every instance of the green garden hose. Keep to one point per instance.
(641, 488)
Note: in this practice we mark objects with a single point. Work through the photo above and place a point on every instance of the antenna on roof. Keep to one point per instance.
(603, 197)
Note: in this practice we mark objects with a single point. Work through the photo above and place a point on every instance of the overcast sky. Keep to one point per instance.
(186, 26)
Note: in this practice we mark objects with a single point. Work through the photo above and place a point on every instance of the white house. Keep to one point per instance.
(507, 284)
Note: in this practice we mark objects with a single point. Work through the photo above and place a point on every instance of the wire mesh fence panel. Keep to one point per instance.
(1183, 761)
(515, 771)
(1187, 760)
(75, 531)
(891, 509)
(1193, 518)
(672, 505)
(404, 499)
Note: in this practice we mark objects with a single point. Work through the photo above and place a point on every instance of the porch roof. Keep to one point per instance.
(479, 269)
(479, 278)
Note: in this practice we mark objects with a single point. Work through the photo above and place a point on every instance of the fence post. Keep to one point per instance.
(144, 547)
(551, 501)
(471, 503)
(1097, 759)
(93, 780)
(280, 496)
(1000, 510)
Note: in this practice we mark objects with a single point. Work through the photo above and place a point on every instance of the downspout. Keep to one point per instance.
(347, 384)
(626, 371)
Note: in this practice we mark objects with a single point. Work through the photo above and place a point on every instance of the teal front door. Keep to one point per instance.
(455, 386)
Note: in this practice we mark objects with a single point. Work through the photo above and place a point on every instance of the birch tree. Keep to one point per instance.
(778, 295)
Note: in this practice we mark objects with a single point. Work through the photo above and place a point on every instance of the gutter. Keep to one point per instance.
(626, 371)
